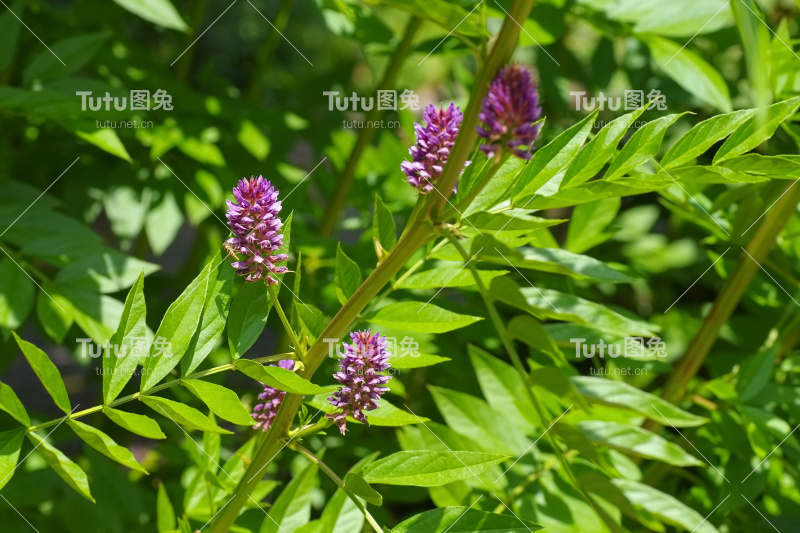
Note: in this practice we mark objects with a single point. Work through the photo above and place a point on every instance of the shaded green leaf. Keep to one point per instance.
(10, 446)
(690, 71)
(666, 508)
(620, 394)
(47, 373)
(357, 485)
(383, 226)
(105, 445)
(9, 402)
(16, 294)
(464, 520)
(63, 466)
(347, 277)
(292, 508)
(160, 12)
(637, 441)
(165, 513)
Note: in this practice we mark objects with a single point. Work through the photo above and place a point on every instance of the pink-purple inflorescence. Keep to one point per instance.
(257, 230)
(264, 412)
(509, 111)
(434, 141)
(362, 386)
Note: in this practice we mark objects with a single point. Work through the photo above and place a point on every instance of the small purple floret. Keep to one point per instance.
(362, 386)
(509, 111)
(264, 413)
(434, 141)
(257, 230)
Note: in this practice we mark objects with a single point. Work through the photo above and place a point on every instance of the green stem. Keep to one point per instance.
(416, 235)
(496, 163)
(365, 135)
(504, 44)
(729, 298)
(198, 11)
(156, 388)
(298, 346)
(505, 338)
(336, 479)
(411, 240)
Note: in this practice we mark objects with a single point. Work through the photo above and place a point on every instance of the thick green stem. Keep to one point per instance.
(336, 479)
(411, 240)
(365, 135)
(504, 43)
(516, 360)
(495, 163)
(159, 387)
(729, 298)
(416, 235)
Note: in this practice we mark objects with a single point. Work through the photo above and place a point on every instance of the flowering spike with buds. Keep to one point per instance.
(264, 413)
(433, 146)
(509, 111)
(257, 230)
(362, 386)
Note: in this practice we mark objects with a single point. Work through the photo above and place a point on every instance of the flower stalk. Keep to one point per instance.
(419, 232)
(296, 446)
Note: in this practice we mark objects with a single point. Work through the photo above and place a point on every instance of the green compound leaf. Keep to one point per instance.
(135, 423)
(429, 469)
(63, 466)
(183, 415)
(105, 445)
(221, 401)
(47, 373)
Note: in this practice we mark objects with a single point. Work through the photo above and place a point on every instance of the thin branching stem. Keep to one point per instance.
(419, 231)
(159, 387)
(296, 446)
(516, 360)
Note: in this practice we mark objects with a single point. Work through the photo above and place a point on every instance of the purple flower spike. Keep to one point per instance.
(257, 230)
(362, 386)
(264, 413)
(434, 141)
(509, 111)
